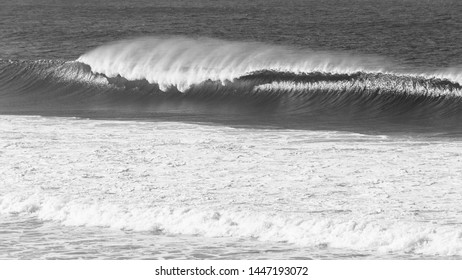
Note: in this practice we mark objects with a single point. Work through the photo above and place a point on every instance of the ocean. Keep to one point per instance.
(264, 129)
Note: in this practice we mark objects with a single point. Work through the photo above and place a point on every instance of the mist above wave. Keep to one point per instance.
(181, 62)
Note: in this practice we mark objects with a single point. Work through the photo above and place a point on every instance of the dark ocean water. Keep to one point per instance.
(355, 65)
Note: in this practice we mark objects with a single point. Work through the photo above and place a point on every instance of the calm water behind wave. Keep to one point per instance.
(414, 33)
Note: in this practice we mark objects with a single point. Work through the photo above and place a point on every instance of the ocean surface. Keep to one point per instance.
(260, 129)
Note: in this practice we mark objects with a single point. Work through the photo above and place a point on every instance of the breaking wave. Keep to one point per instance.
(181, 76)
(383, 237)
(181, 62)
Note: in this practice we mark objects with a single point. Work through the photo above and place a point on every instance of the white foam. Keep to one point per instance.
(361, 234)
(319, 189)
(373, 86)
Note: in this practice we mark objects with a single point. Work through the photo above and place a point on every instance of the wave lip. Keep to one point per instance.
(45, 73)
(183, 62)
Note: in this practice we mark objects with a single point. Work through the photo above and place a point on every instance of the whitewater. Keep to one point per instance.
(324, 193)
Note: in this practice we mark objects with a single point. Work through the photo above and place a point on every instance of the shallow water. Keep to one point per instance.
(29, 238)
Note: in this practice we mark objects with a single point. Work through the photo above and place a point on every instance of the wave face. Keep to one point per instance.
(220, 80)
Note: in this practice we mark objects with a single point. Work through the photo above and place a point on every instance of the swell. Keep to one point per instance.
(373, 99)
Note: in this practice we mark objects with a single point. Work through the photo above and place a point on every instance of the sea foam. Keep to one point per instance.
(359, 234)
(375, 194)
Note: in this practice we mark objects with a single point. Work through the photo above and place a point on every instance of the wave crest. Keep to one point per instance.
(182, 62)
